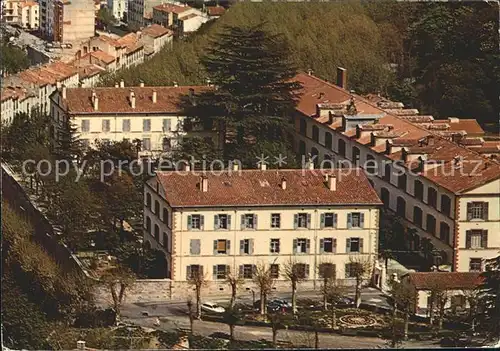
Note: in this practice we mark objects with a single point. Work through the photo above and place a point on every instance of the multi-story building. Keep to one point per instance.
(181, 18)
(67, 21)
(154, 38)
(150, 114)
(21, 12)
(234, 220)
(127, 51)
(138, 11)
(432, 174)
(118, 8)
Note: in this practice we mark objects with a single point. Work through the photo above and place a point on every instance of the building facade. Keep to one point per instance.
(154, 38)
(423, 170)
(138, 11)
(234, 221)
(149, 114)
(21, 12)
(67, 21)
(118, 8)
(181, 18)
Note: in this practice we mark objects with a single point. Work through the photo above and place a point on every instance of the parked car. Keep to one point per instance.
(273, 305)
(212, 307)
(281, 302)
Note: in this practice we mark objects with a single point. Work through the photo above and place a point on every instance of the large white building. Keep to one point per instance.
(25, 13)
(235, 220)
(118, 8)
(440, 177)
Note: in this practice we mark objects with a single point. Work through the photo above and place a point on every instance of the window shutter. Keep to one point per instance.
(335, 220)
(295, 221)
(334, 245)
(242, 269)
(202, 222)
(485, 211)
(228, 246)
(228, 221)
(469, 211)
(216, 222)
(228, 270)
(306, 273)
(251, 246)
(308, 221)
(360, 245)
(322, 221)
(215, 247)
(348, 245)
(242, 246)
(188, 272)
(201, 271)
(468, 239)
(294, 246)
(362, 220)
(321, 245)
(215, 273)
(484, 243)
(255, 221)
(254, 270)
(191, 246)
(308, 245)
(242, 224)
(349, 221)
(190, 222)
(197, 246)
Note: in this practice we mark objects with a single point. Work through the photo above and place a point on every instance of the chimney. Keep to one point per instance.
(209, 82)
(122, 83)
(330, 117)
(236, 167)
(154, 96)
(310, 72)
(262, 166)
(283, 183)
(310, 163)
(342, 77)
(63, 93)
(93, 95)
(141, 84)
(430, 140)
(187, 166)
(204, 183)
(332, 183)
(80, 345)
(116, 85)
(58, 85)
(132, 99)
(96, 103)
(176, 84)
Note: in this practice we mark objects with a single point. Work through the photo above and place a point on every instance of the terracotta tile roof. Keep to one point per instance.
(418, 119)
(89, 71)
(116, 100)
(29, 4)
(191, 15)
(131, 42)
(215, 10)
(109, 40)
(471, 126)
(167, 8)
(13, 93)
(444, 280)
(263, 188)
(471, 141)
(155, 31)
(47, 74)
(476, 171)
(102, 56)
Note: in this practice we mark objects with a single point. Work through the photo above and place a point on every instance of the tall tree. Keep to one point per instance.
(489, 299)
(117, 281)
(264, 280)
(235, 282)
(295, 274)
(198, 280)
(404, 299)
(361, 269)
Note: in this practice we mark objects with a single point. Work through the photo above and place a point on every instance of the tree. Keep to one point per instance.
(438, 298)
(13, 59)
(69, 146)
(295, 273)
(117, 280)
(334, 291)
(234, 281)
(105, 16)
(327, 272)
(232, 317)
(404, 298)
(191, 314)
(123, 201)
(197, 280)
(361, 268)
(489, 299)
(278, 321)
(263, 278)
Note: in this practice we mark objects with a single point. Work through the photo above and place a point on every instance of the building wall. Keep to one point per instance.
(424, 295)
(193, 24)
(118, 8)
(79, 20)
(30, 16)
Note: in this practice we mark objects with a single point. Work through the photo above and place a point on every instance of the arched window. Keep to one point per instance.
(418, 190)
(385, 197)
(444, 232)
(432, 197)
(341, 145)
(417, 216)
(148, 225)
(302, 147)
(371, 165)
(314, 155)
(431, 224)
(445, 205)
(303, 127)
(387, 172)
(157, 233)
(165, 216)
(401, 207)
(165, 241)
(355, 155)
(148, 200)
(157, 207)
(328, 140)
(315, 134)
(402, 181)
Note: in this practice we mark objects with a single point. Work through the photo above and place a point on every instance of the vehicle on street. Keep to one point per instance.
(212, 307)
(274, 305)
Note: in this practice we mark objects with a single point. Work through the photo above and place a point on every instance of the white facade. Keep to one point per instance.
(118, 8)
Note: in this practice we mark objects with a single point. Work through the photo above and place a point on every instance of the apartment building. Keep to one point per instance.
(235, 220)
(150, 114)
(118, 8)
(138, 11)
(127, 51)
(21, 12)
(428, 172)
(154, 38)
(181, 18)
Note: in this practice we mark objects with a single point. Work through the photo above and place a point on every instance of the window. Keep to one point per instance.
(418, 190)
(401, 207)
(387, 172)
(328, 245)
(157, 207)
(475, 265)
(194, 271)
(246, 247)
(275, 271)
(275, 220)
(195, 246)
(303, 127)
(302, 147)
(432, 197)
(352, 269)
(477, 210)
(328, 140)
(148, 200)
(315, 156)
(476, 239)
(157, 233)
(431, 224)
(247, 271)
(315, 133)
(106, 126)
(417, 216)
(355, 220)
(221, 247)
(402, 181)
(275, 246)
(301, 270)
(444, 232)
(327, 270)
(385, 197)
(341, 147)
(302, 220)
(167, 125)
(354, 245)
(166, 144)
(328, 220)
(249, 221)
(445, 205)
(371, 165)
(222, 221)
(85, 125)
(165, 216)
(126, 125)
(355, 155)
(301, 245)
(146, 144)
(220, 271)
(148, 225)
(146, 125)
(195, 222)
